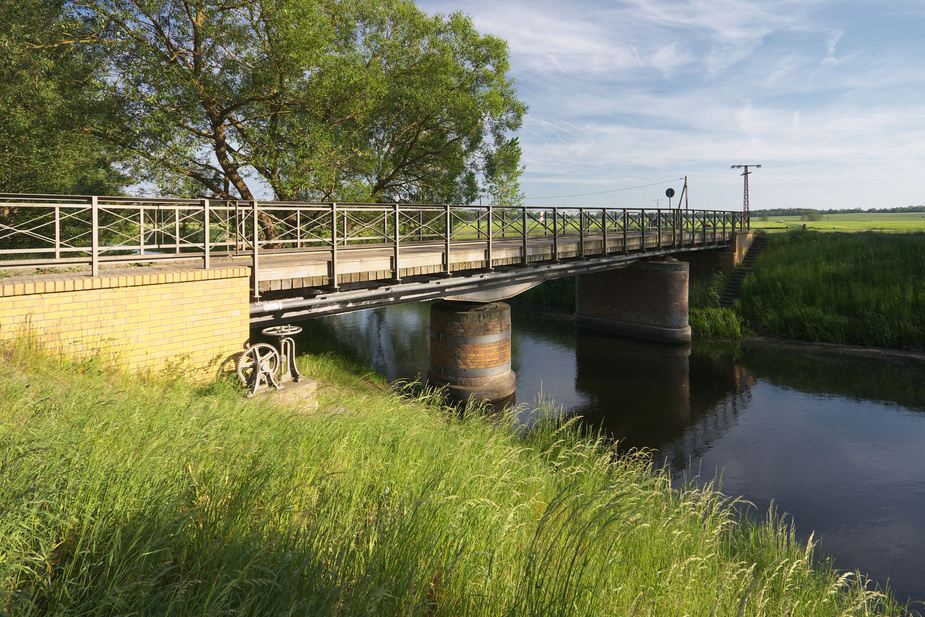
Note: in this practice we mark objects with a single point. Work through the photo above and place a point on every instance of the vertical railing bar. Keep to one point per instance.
(604, 229)
(642, 229)
(449, 234)
(581, 232)
(57, 232)
(176, 229)
(625, 225)
(95, 237)
(490, 235)
(298, 227)
(205, 238)
(555, 233)
(397, 222)
(141, 230)
(658, 227)
(256, 259)
(523, 218)
(334, 284)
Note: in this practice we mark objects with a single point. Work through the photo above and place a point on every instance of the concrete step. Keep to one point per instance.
(734, 284)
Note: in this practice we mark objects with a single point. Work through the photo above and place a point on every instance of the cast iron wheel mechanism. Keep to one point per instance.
(258, 366)
(281, 331)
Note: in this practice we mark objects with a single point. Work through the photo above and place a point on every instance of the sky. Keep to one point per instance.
(627, 97)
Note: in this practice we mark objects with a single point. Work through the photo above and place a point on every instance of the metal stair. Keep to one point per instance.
(734, 284)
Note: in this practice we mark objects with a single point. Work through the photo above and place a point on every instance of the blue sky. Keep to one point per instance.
(828, 96)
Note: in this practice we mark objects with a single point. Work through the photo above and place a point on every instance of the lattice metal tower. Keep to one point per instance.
(746, 174)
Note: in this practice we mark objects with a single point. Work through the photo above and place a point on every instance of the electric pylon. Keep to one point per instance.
(745, 174)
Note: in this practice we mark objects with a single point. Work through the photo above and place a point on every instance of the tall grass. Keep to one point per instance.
(865, 288)
(707, 318)
(159, 497)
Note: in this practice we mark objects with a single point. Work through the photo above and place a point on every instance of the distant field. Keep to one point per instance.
(862, 221)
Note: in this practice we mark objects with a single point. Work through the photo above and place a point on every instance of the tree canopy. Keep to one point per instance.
(48, 83)
(348, 100)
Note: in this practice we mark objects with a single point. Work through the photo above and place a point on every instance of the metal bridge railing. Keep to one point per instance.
(58, 231)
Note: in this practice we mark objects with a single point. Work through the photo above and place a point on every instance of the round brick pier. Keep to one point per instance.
(470, 350)
(646, 300)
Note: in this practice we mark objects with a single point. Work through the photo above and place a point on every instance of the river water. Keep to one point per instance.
(835, 441)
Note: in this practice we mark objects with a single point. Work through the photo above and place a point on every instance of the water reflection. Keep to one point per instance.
(835, 441)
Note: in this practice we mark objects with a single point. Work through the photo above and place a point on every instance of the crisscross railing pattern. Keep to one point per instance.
(57, 230)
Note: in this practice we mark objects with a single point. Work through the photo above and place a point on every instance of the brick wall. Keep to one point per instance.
(145, 320)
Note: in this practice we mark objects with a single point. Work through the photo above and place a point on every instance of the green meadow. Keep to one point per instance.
(888, 222)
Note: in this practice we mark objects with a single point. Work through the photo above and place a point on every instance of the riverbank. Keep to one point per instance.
(864, 289)
(156, 496)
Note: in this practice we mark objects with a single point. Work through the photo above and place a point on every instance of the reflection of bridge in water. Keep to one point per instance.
(660, 396)
(185, 261)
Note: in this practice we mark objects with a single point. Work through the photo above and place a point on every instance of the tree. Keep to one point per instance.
(314, 99)
(503, 171)
(47, 78)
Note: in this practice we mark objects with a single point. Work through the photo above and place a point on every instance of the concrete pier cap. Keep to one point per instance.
(470, 350)
(647, 300)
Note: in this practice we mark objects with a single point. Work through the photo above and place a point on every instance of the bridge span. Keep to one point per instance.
(304, 260)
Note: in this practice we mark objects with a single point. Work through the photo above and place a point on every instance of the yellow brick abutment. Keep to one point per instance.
(148, 320)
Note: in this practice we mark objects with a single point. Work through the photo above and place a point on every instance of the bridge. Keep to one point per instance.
(304, 260)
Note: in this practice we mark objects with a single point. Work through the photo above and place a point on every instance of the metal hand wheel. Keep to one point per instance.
(258, 366)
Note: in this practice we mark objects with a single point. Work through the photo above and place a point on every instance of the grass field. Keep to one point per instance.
(861, 221)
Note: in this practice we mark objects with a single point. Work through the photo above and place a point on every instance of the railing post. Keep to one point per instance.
(95, 236)
(176, 229)
(256, 251)
(581, 232)
(626, 249)
(604, 228)
(57, 232)
(555, 233)
(141, 230)
(397, 242)
(334, 284)
(658, 227)
(523, 217)
(491, 235)
(448, 216)
(205, 237)
(642, 228)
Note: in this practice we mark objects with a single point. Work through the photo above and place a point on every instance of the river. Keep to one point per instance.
(834, 441)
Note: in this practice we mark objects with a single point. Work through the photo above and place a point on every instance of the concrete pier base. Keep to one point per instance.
(647, 300)
(470, 350)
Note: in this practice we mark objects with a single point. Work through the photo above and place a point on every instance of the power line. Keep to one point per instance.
(629, 188)
(887, 146)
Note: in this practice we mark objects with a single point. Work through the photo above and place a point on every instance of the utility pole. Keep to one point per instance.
(745, 175)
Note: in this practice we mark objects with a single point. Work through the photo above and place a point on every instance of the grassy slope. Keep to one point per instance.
(119, 495)
(862, 288)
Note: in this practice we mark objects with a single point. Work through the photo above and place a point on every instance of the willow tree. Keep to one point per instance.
(366, 100)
